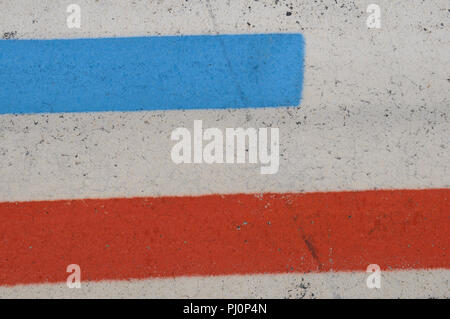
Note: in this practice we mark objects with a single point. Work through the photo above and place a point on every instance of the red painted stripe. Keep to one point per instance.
(223, 234)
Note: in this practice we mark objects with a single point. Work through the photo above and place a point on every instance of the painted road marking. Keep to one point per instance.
(223, 234)
(151, 73)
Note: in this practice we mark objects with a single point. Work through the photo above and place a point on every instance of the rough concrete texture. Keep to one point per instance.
(395, 284)
(374, 114)
(374, 111)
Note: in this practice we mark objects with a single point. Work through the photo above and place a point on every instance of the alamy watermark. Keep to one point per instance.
(374, 280)
(235, 145)
(74, 18)
(74, 279)
(374, 19)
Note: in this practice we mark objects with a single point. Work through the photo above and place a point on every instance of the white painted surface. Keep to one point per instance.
(396, 284)
(128, 154)
(375, 114)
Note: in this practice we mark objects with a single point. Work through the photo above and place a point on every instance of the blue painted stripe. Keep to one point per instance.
(151, 73)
